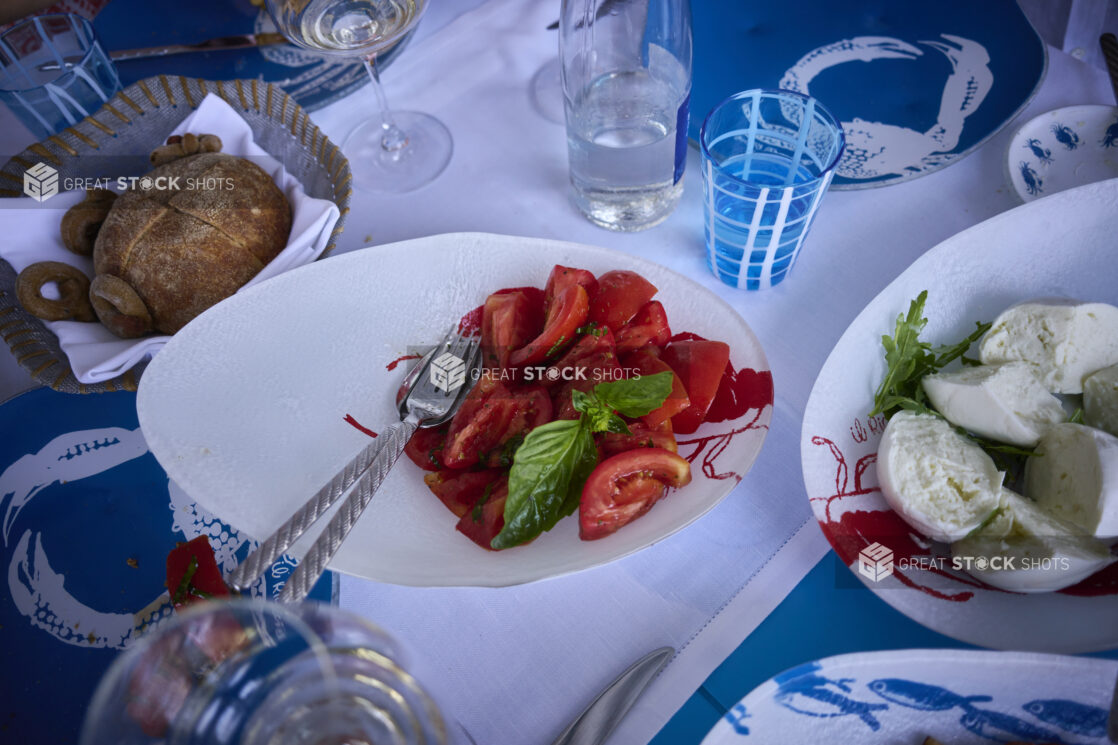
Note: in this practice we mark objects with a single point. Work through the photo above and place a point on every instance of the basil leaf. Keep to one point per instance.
(585, 462)
(598, 419)
(546, 479)
(617, 425)
(635, 397)
(584, 402)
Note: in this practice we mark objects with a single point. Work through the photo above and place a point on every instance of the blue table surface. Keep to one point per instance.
(829, 613)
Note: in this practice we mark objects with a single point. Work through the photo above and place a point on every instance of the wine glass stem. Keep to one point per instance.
(392, 137)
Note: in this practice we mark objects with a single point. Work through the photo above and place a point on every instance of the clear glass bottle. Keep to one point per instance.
(626, 69)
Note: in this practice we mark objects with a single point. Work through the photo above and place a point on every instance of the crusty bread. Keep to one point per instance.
(184, 249)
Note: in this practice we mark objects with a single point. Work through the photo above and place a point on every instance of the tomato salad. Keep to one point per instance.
(582, 390)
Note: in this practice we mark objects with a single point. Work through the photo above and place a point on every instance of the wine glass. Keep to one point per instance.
(547, 92)
(250, 672)
(400, 150)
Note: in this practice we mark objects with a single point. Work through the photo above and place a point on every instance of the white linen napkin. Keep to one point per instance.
(31, 234)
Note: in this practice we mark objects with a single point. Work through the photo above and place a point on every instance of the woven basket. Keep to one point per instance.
(132, 123)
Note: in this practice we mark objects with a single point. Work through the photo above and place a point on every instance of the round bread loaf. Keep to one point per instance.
(204, 226)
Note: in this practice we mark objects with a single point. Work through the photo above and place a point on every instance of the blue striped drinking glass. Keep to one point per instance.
(767, 157)
(54, 72)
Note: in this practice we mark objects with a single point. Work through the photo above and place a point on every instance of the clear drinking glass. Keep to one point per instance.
(626, 72)
(54, 72)
(768, 157)
(248, 672)
(399, 150)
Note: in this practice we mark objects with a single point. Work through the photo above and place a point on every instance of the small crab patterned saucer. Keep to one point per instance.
(1067, 147)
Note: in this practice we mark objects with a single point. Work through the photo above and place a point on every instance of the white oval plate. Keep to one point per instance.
(246, 406)
(1059, 246)
(958, 696)
(1068, 147)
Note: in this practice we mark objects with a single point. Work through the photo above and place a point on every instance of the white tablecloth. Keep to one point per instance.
(515, 664)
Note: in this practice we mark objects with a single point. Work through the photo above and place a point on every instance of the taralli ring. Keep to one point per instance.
(73, 292)
(119, 307)
(82, 222)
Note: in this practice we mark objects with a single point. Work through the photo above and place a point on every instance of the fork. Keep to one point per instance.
(432, 391)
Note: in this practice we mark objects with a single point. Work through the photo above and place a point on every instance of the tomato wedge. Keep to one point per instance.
(192, 573)
(490, 417)
(461, 490)
(643, 436)
(648, 326)
(620, 295)
(699, 364)
(561, 278)
(477, 427)
(482, 522)
(531, 408)
(564, 317)
(625, 486)
(509, 320)
(647, 362)
(597, 365)
(590, 349)
(425, 447)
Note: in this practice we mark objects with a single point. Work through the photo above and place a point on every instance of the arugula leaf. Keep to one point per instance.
(634, 397)
(546, 479)
(947, 353)
(905, 355)
(908, 360)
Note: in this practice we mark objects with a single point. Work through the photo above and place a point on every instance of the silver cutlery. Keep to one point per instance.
(604, 9)
(431, 394)
(239, 41)
(594, 725)
(1112, 720)
(1109, 44)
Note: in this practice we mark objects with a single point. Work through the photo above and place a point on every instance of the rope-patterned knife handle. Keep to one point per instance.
(1109, 44)
(267, 552)
(312, 566)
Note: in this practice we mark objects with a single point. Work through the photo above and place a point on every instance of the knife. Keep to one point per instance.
(603, 9)
(1112, 720)
(240, 41)
(1109, 44)
(605, 712)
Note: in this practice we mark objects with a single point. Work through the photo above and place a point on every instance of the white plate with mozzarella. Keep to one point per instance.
(1059, 247)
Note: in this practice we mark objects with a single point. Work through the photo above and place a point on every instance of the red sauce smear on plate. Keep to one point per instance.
(357, 425)
(395, 363)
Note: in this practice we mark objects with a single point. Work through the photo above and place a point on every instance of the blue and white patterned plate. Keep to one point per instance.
(916, 85)
(960, 697)
(1067, 147)
(313, 80)
(88, 518)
